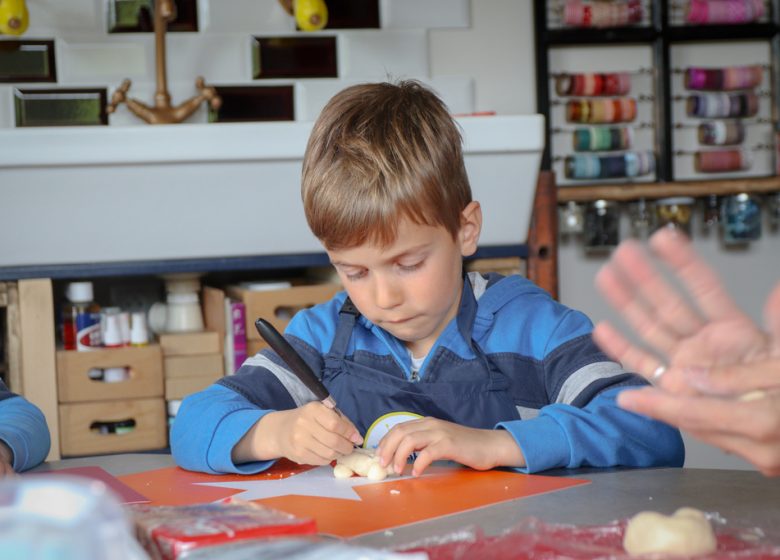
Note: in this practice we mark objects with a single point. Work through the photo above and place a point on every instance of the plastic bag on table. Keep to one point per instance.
(312, 548)
(63, 517)
(537, 540)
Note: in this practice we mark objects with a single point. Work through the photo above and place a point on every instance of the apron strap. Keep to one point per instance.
(348, 315)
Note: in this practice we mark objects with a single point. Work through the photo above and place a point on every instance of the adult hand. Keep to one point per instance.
(435, 439)
(6, 461)
(747, 425)
(710, 331)
(312, 434)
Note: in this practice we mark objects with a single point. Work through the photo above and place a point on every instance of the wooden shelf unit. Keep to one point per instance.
(658, 34)
(624, 193)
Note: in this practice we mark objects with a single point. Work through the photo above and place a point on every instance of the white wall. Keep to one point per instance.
(498, 51)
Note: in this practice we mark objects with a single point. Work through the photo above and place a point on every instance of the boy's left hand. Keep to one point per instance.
(435, 439)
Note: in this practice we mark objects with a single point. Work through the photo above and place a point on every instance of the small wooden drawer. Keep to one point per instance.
(197, 365)
(87, 428)
(144, 368)
(188, 344)
(278, 306)
(180, 387)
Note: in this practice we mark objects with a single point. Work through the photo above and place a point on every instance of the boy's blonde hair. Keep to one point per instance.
(379, 153)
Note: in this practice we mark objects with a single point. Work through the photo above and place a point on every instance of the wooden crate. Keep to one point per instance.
(145, 368)
(197, 365)
(78, 438)
(278, 306)
(179, 387)
(187, 344)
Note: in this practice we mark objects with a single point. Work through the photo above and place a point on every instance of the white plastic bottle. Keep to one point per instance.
(84, 314)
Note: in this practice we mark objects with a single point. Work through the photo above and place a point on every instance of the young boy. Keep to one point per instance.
(487, 371)
(24, 435)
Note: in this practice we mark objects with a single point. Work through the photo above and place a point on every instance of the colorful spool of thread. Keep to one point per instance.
(724, 11)
(591, 166)
(722, 105)
(720, 161)
(618, 83)
(602, 138)
(723, 79)
(577, 13)
(721, 133)
(601, 111)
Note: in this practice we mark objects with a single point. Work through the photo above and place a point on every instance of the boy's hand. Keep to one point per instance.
(436, 439)
(312, 434)
(6, 461)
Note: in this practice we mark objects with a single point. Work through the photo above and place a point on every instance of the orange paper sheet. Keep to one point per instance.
(342, 511)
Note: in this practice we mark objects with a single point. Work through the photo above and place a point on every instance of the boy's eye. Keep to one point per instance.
(354, 274)
(410, 267)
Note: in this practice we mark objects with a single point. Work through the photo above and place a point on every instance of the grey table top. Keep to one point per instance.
(743, 498)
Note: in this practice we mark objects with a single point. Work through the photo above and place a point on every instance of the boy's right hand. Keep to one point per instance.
(312, 434)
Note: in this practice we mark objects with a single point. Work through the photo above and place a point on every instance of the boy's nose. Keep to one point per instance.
(386, 293)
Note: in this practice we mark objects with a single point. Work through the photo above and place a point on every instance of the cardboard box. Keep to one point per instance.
(180, 387)
(504, 265)
(254, 346)
(278, 306)
(187, 344)
(80, 433)
(144, 365)
(193, 366)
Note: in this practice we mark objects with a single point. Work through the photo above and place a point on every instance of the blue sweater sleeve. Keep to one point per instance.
(23, 429)
(600, 434)
(207, 427)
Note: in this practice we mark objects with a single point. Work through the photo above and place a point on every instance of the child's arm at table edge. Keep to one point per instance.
(208, 426)
(598, 435)
(595, 432)
(25, 432)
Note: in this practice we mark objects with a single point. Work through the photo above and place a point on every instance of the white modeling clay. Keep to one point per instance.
(687, 533)
(362, 462)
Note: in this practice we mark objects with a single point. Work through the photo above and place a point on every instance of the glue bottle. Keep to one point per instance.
(80, 318)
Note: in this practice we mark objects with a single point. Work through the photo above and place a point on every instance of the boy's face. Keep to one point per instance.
(411, 288)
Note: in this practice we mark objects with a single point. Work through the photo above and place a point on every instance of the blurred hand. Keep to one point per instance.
(710, 331)
(435, 439)
(722, 371)
(747, 425)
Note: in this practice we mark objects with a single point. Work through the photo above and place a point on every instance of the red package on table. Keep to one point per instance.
(169, 532)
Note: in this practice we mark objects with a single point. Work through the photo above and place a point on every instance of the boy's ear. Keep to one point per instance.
(470, 228)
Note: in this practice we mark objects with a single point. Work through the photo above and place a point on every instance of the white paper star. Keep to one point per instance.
(318, 482)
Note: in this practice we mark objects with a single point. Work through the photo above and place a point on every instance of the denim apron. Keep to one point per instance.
(376, 400)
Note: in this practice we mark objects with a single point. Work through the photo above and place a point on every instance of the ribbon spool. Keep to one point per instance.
(724, 11)
(593, 84)
(723, 79)
(591, 166)
(721, 133)
(601, 111)
(577, 13)
(721, 161)
(722, 105)
(602, 138)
